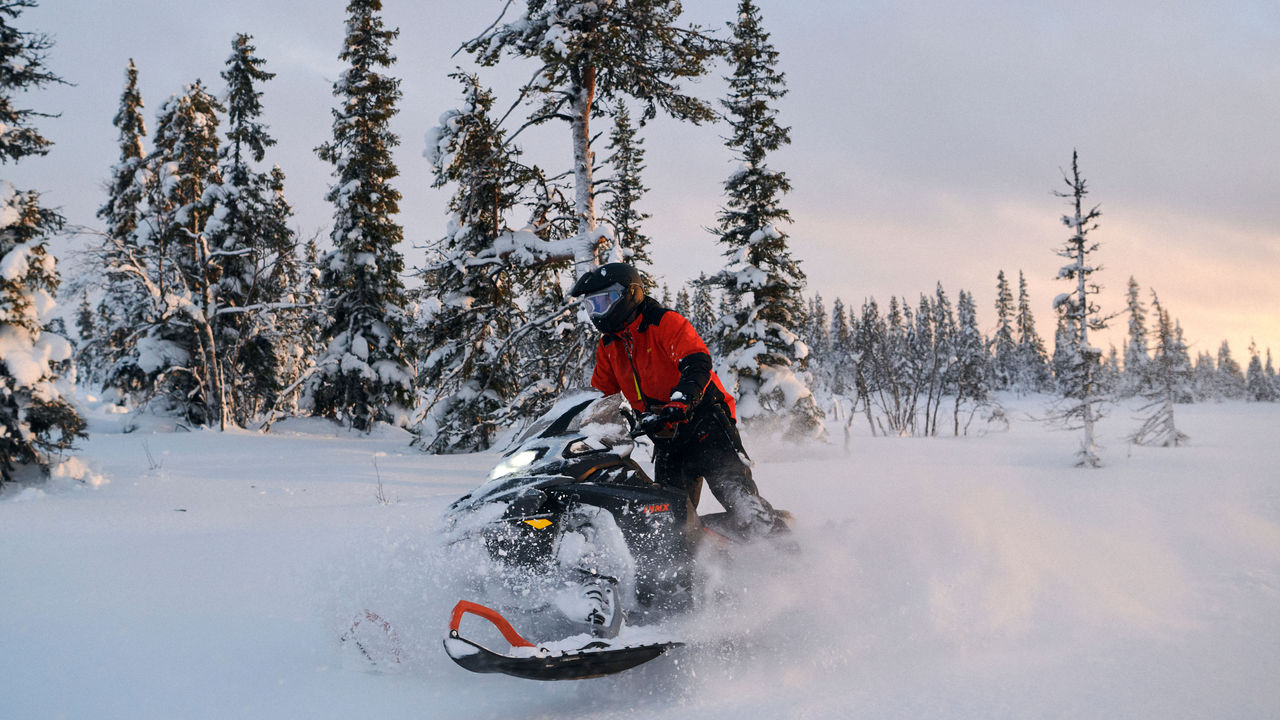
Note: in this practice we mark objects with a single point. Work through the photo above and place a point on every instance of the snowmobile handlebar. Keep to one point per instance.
(646, 424)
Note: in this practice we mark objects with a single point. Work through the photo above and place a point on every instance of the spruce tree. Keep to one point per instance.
(592, 56)
(1204, 378)
(703, 313)
(1229, 379)
(112, 357)
(470, 369)
(179, 351)
(817, 336)
(625, 190)
(1032, 358)
(1169, 379)
(1004, 348)
(362, 376)
(256, 249)
(1081, 362)
(1258, 386)
(1136, 353)
(972, 375)
(38, 421)
(842, 361)
(761, 341)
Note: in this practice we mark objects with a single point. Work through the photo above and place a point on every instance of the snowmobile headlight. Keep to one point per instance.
(519, 461)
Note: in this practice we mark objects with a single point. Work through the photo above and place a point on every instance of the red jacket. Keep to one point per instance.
(657, 354)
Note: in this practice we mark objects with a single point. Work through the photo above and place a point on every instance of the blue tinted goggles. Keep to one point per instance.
(600, 302)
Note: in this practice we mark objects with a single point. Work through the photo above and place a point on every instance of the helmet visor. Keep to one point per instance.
(599, 303)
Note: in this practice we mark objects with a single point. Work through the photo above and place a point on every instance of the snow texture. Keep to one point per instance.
(982, 577)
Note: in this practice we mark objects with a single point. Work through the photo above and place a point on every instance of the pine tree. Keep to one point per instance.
(1204, 378)
(1136, 353)
(704, 315)
(1079, 371)
(842, 361)
(112, 358)
(817, 337)
(255, 248)
(1180, 357)
(973, 371)
(1170, 377)
(761, 341)
(1270, 372)
(1004, 348)
(684, 303)
(1229, 380)
(470, 370)
(592, 56)
(870, 340)
(946, 336)
(1032, 358)
(1258, 387)
(625, 190)
(38, 421)
(179, 351)
(362, 376)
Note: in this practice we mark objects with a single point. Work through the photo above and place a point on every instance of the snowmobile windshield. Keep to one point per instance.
(576, 410)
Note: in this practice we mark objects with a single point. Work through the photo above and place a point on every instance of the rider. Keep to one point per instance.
(654, 357)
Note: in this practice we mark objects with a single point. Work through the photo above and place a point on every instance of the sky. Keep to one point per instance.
(928, 138)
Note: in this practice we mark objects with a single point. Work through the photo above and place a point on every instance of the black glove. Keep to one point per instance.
(663, 422)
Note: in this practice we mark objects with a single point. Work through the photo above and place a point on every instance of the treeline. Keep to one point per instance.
(201, 300)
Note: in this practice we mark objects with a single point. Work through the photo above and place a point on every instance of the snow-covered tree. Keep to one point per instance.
(1004, 349)
(469, 365)
(761, 342)
(1032, 362)
(362, 375)
(38, 421)
(1078, 378)
(703, 312)
(1169, 380)
(1229, 380)
(817, 336)
(972, 381)
(1204, 378)
(625, 190)
(109, 356)
(841, 360)
(256, 316)
(179, 350)
(1258, 385)
(1270, 371)
(1136, 353)
(591, 56)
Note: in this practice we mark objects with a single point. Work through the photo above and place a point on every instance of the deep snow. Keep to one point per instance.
(983, 577)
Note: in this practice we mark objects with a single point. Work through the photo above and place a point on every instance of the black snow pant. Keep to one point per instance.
(708, 447)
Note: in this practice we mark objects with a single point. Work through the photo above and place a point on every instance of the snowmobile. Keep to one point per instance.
(590, 550)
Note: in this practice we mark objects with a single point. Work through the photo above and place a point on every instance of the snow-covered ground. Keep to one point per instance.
(212, 574)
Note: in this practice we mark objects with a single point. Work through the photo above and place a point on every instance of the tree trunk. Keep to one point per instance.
(584, 202)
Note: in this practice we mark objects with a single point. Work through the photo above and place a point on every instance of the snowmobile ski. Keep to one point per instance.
(595, 659)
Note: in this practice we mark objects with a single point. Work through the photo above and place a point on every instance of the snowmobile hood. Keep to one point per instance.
(582, 426)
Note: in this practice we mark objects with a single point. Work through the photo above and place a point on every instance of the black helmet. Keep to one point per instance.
(612, 293)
